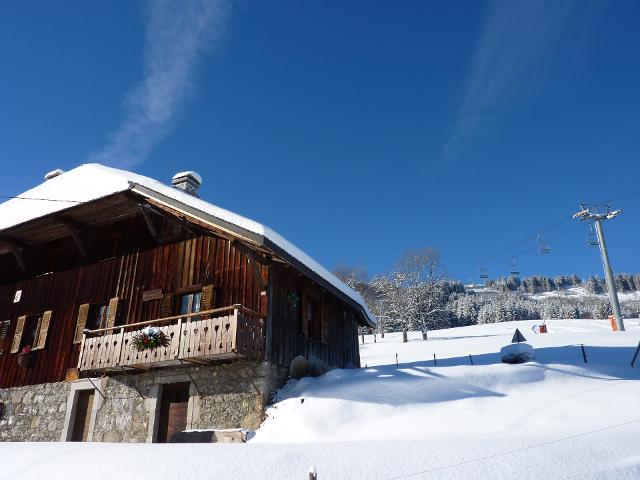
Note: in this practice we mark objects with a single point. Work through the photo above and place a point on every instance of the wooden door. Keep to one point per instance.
(82, 416)
(173, 410)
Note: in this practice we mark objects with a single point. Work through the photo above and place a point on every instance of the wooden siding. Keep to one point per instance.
(175, 267)
(339, 349)
(124, 261)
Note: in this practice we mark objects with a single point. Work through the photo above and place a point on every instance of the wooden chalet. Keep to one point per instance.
(94, 256)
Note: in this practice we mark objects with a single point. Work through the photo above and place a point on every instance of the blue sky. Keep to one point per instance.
(356, 129)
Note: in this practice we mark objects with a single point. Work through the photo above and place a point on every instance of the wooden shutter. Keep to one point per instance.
(83, 313)
(113, 312)
(166, 307)
(15, 345)
(4, 329)
(208, 297)
(44, 329)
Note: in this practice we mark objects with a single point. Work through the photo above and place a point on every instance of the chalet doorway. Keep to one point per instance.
(82, 417)
(173, 410)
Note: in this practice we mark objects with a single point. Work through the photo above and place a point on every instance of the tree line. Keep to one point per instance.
(415, 295)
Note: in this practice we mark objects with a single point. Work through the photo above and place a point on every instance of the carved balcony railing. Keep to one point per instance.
(198, 338)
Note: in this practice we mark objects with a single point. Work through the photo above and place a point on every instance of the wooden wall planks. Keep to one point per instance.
(200, 260)
(134, 264)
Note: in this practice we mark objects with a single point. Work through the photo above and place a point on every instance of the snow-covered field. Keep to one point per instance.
(556, 417)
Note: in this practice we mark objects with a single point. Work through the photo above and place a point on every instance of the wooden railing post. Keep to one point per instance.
(120, 342)
(235, 330)
(179, 340)
(84, 338)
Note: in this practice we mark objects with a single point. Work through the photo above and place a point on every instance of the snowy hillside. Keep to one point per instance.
(556, 417)
(581, 293)
(575, 293)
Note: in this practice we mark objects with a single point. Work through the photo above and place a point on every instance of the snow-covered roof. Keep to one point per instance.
(93, 181)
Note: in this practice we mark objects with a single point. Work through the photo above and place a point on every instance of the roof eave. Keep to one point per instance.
(259, 240)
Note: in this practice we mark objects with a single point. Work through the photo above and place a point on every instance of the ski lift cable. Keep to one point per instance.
(13, 197)
(552, 226)
(625, 195)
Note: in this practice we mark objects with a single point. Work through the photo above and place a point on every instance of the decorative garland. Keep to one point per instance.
(148, 338)
(293, 298)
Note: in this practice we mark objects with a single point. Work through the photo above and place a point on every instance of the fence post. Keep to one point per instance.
(396, 359)
(435, 362)
(584, 355)
(470, 359)
(404, 335)
(635, 355)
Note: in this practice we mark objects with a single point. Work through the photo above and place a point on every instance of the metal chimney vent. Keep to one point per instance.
(53, 174)
(187, 181)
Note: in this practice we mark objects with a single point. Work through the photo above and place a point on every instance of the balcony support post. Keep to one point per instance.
(97, 389)
(195, 385)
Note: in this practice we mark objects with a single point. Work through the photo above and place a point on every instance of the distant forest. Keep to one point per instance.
(416, 295)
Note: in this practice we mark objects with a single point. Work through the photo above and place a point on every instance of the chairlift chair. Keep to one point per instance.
(543, 246)
(592, 237)
(483, 274)
(514, 267)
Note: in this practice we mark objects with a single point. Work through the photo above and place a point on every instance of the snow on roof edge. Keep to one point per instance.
(90, 182)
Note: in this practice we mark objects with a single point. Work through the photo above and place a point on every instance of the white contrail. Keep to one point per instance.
(178, 32)
(519, 41)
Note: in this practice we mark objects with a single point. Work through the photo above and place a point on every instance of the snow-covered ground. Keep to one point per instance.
(556, 417)
(580, 293)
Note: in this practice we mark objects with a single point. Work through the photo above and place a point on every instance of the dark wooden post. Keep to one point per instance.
(404, 335)
(635, 355)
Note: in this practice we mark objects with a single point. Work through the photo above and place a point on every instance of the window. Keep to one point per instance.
(190, 303)
(31, 331)
(97, 316)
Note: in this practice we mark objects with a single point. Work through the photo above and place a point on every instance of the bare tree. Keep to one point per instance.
(418, 273)
(352, 276)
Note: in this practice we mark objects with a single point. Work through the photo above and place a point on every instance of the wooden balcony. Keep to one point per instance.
(198, 338)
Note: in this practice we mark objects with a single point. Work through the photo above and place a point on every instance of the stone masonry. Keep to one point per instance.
(33, 413)
(229, 395)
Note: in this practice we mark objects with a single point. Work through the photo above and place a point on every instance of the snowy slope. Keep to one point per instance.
(556, 417)
(572, 293)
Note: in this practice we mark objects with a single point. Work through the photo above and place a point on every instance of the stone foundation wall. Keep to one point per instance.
(33, 413)
(222, 396)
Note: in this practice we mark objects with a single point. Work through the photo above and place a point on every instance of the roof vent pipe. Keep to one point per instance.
(53, 174)
(187, 181)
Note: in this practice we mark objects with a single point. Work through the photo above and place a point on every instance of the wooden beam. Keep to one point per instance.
(257, 271)
(147, 220)
(17, 253)
(75, 229)
(181, 222)
(194, 360)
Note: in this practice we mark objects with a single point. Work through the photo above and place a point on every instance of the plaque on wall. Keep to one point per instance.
(151, 295)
